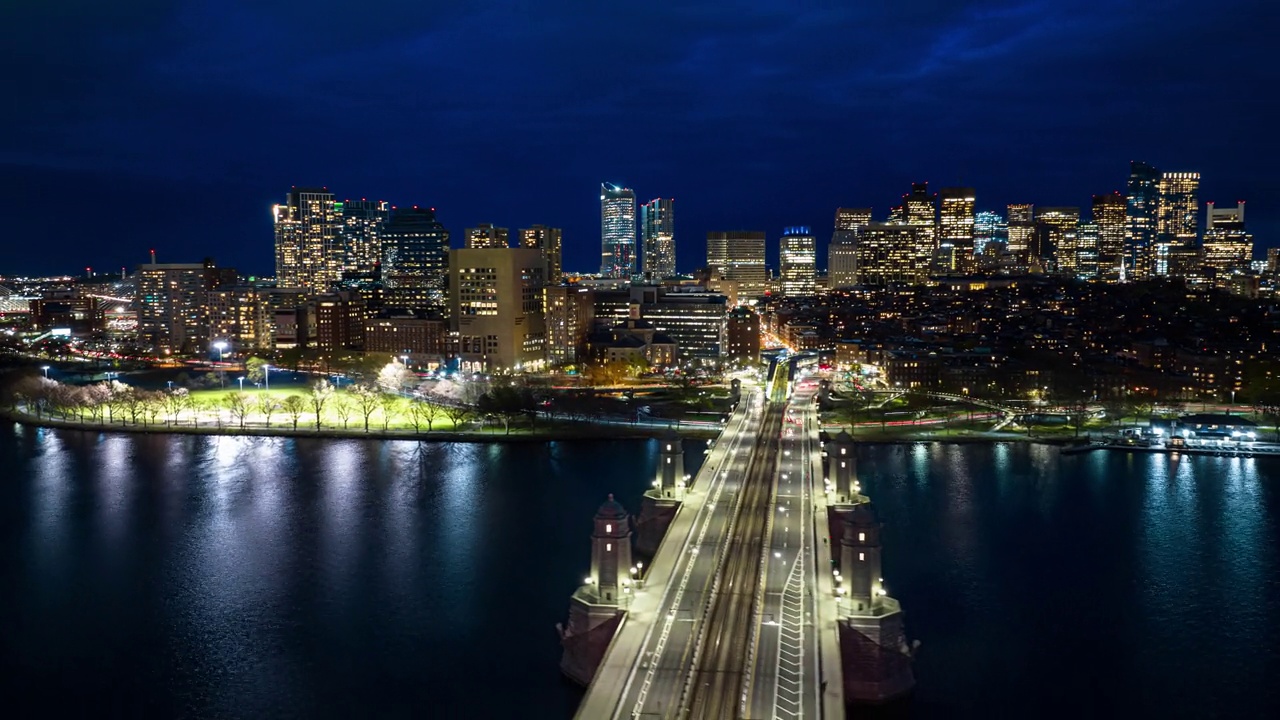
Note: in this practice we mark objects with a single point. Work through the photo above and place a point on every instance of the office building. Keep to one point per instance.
(693, 319)
(340, 321)
(658, 238)
(1022, 230)
(308, 235)
(1176, 216)
(1142, 207)
(797, 262)
(547, 240)
(1056, 241)
(570, 320)
(742, 336)
(893, 253)
(485, 236)
(1110, 215)
(170, 302)
(956, 228)
(415, 265)
(989, 229)
(421, 337)
(842, 253)
(617, 231)
(739, 256)
(1228, 247)
(233, 315)
(496, 311)
(361, 224)
(1088, 237)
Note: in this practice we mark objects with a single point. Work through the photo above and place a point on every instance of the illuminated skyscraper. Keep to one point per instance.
(893, 253)
(797, 262)
(1056, 244)
(485, 236)
(1228, 248)
(955, 227)
(617, 231)
(362, 222)
(309, 252)
(1175, 216)
(739, 256)
(1088, 236)
(1143, 204)
(496, 308)
(1110, 216)
(842, 253)
(415, 264)
(1022, 228)
(546, 239)
(658, 231)
(570, 313)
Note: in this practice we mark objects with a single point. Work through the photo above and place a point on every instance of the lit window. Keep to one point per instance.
(609, 528)
(862, 556)
(862, 537)
(608, 547)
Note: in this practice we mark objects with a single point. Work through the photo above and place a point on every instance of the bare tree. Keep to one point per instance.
(321, 392)
(421, 411)
(457, 414)
(293, 406)
(238, 404)
(175, 401)
(267, 405)
(341, 404)
(367, 399)
(390, 404)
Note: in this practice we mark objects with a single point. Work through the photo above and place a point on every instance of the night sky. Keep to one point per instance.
(176, 125)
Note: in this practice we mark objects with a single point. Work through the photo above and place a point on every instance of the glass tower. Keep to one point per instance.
(415, 264)
(617, 231)
(657, 229)
(797, 262)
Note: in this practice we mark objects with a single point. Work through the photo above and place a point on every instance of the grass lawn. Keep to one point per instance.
(330, 417)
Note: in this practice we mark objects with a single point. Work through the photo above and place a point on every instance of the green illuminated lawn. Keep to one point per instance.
(211, 403)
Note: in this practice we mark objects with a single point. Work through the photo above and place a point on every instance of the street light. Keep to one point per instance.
(241, 379)
(45, 368)
(266, 376)
(220, 346)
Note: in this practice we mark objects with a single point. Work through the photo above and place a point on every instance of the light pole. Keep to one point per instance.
(45, 368)
(241, 379)
(170, 383)
(266, 377)
(220, 346)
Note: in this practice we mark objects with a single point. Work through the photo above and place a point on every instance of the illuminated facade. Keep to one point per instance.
(170, 301)
(485, 236)
(1175, 216)
(955, 228)
(362, 222)
(309, 249)
(1228, 248)
(617, 231)
(1088, 237)
(546, 239)
(988, 228)
(1022, 230)
(233, 315)
(738, 256)
(797, 262)
(1110, 215)
(570, 316)
(496, 308)
(415, 263)
(842, 253)
(742, 336)
(1142, 206)
(657, 232)
(1056, 245)
(894, 253)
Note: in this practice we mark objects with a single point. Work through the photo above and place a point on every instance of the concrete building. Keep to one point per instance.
(485, 236)
(340, 321)
(170, 301)
(658, 238)
(1109, 215)
(308, 236)
(547, 240)
(422, 337)
(1228, 247)
(233, 315)
(739, 256)
(496, 308)
(842, 253)
(894, 252)
(694, 319)
(1022, 229)
(742, 336)
(415, 265)
(955, 227)
(570, 320)
(617, 231)
(1057, 240)
(361, 226)
(797, 262)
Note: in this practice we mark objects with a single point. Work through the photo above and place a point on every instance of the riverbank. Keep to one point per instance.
(554, 432)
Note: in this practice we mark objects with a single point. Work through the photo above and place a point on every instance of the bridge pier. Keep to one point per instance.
(597, 607)
(660, 504)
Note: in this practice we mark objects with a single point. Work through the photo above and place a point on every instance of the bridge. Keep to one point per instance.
(742, 611)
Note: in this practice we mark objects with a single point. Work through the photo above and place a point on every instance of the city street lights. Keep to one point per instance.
(220, 346)
(241, 379)
(45, 368)
(266, 377)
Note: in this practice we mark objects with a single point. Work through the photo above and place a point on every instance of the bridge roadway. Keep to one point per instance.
(650, 659)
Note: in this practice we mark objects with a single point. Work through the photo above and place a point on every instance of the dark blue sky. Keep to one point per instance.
(176, 125)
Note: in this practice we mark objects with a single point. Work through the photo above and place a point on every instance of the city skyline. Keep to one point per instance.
(148, 108)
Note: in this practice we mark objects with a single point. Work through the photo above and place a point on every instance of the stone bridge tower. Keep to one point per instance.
(597, 607)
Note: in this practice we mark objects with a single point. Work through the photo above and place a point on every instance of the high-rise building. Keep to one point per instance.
(362, 222)
(694, 320)
(485, 236)
(309, 251)
(1176, 216)
(570, 316)
(742, 336)
(1143, 202)
(894, 253)
(920, 209)
(415, 265)
(955, 227)
(739, 256)
(658, 233)
(1110, 215)
(232, 314)
(989, 227)
(842, 253)
(1088, 238)
(546, 239)
(1022, 229)
(340, 320)
(1057, 240)
(617, 231)
(170, 301)
(495, 301)
(1228, 247)
(797, 262)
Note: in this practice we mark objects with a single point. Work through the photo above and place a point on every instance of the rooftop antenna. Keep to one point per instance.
(153, 256)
